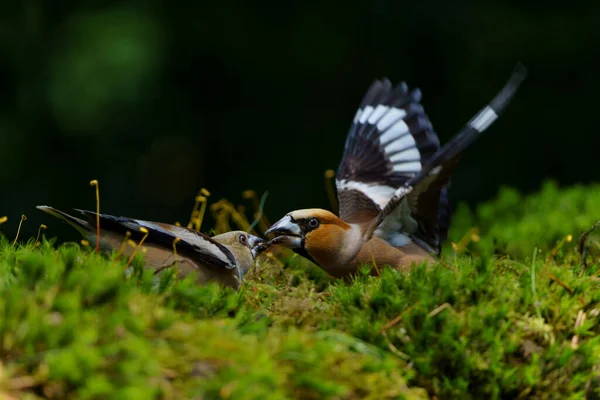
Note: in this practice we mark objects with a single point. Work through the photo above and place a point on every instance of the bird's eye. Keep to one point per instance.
(243, 239)
(313, 223)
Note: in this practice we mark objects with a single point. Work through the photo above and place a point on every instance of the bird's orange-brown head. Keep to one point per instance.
(317, 235)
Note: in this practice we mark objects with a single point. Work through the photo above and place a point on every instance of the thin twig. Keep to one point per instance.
(396, 319)
(564, 285)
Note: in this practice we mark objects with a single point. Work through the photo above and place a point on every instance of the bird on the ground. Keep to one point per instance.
(224, 258)
(392, 185)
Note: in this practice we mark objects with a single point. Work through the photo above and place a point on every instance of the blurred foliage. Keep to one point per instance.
(156, 101)
(103, 63)
(478, 324)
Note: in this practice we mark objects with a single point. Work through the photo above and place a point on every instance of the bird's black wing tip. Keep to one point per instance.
(505, 95)
(520, 71)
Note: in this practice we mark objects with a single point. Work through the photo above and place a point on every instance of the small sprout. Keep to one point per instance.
(125, 240)
(329, 187)
(145, 232)
(3, 219)
(37, 239)
(196, 223)
(175, 241)
(201, 213)
(177, 223)
(375, 264)
(85, 242)
(94, 182)
(566, 239)
(198, 215)
(472, 235)
(23, 218)
(190, 224)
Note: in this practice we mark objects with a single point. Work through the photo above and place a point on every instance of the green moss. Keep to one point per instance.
(491, 322)
(514, 224)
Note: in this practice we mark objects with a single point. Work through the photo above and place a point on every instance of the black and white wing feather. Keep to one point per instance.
(429, 185)
(196, 245)
(390, 140)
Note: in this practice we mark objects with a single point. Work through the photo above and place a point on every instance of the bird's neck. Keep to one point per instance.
(351, 244)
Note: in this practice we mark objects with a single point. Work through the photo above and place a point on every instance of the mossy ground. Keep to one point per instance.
(494, 319)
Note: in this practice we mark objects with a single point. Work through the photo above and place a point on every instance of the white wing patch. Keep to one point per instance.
(395, 136)
(413, 166)
(388, 119)
(379, 111)
(365, 114)
(395, 132)
(409, 154)
(379, 194)
(402, 143)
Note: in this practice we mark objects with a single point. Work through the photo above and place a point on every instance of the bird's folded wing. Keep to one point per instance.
(196, 245)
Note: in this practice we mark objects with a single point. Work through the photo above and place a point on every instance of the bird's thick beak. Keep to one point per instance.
(287, 232)
(257, 245)
(285, 226)
(255, 241)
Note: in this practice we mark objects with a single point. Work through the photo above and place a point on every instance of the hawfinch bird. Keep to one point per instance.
(223, 258)
(391, 184)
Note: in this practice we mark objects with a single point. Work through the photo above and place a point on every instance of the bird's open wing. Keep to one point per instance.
(196, 245)
(390, 139)
(425, 191)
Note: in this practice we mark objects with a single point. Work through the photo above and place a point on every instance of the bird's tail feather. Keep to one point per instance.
(82, 226)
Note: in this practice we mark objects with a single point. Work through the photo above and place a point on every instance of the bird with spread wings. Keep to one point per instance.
(392, 185)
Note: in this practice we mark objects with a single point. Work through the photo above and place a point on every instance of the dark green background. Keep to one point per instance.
(158, 99)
